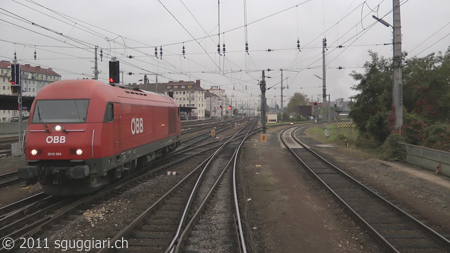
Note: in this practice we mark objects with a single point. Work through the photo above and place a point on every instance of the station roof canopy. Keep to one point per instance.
(187, 109)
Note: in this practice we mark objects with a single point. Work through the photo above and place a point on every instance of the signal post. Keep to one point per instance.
(114, 71)
(16, 89)
(263, 107)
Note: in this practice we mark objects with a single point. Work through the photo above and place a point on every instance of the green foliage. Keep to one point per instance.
(378, 126)
(413, 129)
(340, 136)
(296, 100)
(391, 150)
(366, 141)
(426, 86)
(426, 96)
(375, 93)
(437, 136)
(298, 117)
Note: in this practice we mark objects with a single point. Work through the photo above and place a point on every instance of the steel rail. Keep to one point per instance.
(388, 244)
(178, 240)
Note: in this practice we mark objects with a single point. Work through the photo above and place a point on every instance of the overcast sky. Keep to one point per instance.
(64, 33)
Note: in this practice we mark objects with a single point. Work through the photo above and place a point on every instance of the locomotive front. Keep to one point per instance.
(56, 142)
(83, 134)
(59, 141)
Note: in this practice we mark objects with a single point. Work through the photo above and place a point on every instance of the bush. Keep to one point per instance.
(413, 129)
(366, 141)
(391, 150)
(378, 126)
(437, 137)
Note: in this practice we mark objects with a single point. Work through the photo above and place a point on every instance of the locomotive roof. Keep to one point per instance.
(86, 88)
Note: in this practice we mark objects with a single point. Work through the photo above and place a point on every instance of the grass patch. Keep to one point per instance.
(279, 123)
(338, 136)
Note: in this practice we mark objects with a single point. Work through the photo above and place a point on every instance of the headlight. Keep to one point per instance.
(34, 152)
(79, 151)
(58, 128)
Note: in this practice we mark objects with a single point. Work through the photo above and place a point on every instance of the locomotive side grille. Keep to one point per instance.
(172, 120)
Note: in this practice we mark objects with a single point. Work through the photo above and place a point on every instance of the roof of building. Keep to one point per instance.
(171, 85)
(182, 85)
(29, 68)
(210, 94)
(213, 88)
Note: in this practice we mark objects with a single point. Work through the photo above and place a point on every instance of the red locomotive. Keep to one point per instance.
(83, 134)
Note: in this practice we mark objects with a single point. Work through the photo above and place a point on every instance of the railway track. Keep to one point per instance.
(10, 178)
(185, 129)
(55, 212)
(5, 145)
(394, 228)
(218, 215)
(171, 223)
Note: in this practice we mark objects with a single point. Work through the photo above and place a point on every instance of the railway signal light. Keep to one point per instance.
(15, 78)
(229, 107)
(220, 107)
(114, 72)
(15, 89)
(15, 74)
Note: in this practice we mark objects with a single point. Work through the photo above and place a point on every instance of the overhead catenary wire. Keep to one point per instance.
(151, 62)
(428, 38)
(188, 33)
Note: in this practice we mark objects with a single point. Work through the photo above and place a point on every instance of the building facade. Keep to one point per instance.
(213, 105)
(188, 94)
(218, 99)
(33, 79)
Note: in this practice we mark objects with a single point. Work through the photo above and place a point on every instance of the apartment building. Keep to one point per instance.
(33, 79)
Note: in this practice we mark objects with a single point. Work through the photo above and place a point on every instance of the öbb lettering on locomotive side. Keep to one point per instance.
(137, 125)
(79, 131)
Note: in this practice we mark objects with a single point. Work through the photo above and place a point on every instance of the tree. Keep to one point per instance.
(426, 96)
(427, 89)
(375, 97)
(296, 100)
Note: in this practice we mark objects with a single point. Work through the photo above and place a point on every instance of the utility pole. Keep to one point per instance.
(397, 90)
(329, 108)
(16, 88)
(263, 103)
(157, 84)
(324, 79)
(397, 85)
(190, 86)
(145, 79)
(281, 94)
(96, 65)
(19, 102)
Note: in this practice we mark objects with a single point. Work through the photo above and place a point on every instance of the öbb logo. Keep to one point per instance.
(55, 139)
(137, 125)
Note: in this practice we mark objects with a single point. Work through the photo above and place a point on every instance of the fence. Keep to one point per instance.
(431, 159)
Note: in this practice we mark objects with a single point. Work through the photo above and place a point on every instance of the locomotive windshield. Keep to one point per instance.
(61, 111)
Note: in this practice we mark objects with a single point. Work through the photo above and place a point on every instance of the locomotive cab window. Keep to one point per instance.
(61, 111)
(109, 113)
